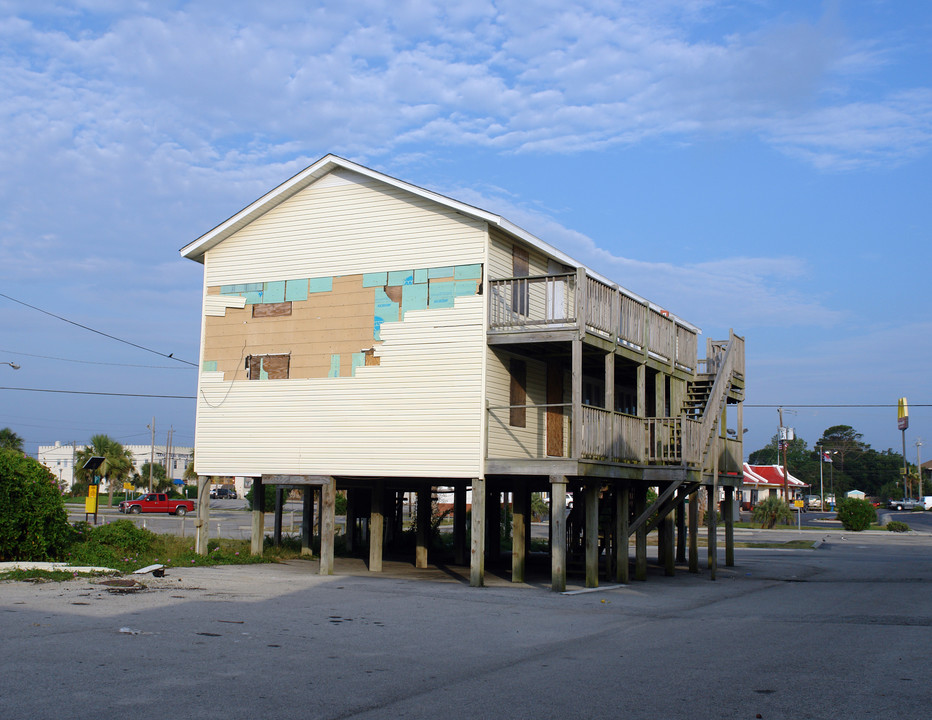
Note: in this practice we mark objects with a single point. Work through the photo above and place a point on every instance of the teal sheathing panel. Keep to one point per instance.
(468, 272)
(420, 276)
(319, 285)
(359, 360)
(440, 272)
(442, 294)
(253, 297)
(229, 290)
(465, 287)
(375, 279)
(274, 292)
(334, 366)
(296, 290)
(401, 277)
(413, 297)
(209, 366)
(263, 373)
(385, 311)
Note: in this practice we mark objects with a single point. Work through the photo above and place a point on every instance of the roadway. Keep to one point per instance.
(272, 641)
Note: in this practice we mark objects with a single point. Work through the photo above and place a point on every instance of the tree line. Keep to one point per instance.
(116, 469)
(851, 464)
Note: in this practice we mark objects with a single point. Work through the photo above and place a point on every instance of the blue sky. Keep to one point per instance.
(757, 165)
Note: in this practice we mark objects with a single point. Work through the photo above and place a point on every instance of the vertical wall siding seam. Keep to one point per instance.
(483, 404)
(200, 356)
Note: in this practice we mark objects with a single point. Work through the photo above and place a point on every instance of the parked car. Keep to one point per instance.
(907, 504)
(157, 503)
(813, 502)
(226, 494)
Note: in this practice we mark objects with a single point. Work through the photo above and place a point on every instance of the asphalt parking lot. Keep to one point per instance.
(841, 630)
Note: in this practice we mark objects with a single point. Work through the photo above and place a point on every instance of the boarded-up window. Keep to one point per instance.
(518, 394)
(280, 309)
(521, 264)
(268, 367)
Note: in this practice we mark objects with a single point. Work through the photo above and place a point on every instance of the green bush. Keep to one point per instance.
(123, 535)
(855, 514)
(33, 521)
(268, 492)
(771, 510)
(897, 526)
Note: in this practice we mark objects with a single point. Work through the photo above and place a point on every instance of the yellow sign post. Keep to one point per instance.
(90, 504)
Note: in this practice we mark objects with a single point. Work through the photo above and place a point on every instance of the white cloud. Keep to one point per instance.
(512, 76)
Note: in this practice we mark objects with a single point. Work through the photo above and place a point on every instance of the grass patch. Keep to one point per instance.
(789, 545)
(38, 576)
(123, 546)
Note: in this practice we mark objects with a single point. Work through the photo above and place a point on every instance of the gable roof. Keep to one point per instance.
(770, 475)
(197, 249)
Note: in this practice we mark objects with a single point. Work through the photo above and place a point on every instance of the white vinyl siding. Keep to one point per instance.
(346, 224)
(417, 414)
(500, 257)
(506, 441)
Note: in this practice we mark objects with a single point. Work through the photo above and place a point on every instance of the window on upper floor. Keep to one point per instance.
(268, 367)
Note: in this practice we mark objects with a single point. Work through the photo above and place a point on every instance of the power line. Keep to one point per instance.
(170, 356)
(94, 362)
(113, 394)
(850, 405)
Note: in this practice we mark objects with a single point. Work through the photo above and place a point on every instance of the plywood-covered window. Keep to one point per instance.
(521, 265)
(518, 394)
(268, 367)
(279, 309)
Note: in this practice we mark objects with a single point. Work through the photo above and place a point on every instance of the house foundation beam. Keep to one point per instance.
(328, 501)
(591, 494)
(202, 522)
(520, 521)
(640, 535)
(558, 533)
(477, 549)
(376, 526)
(258, 517)
(423, 526)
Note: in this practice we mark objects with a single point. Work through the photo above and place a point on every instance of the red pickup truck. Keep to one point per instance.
(157, 503)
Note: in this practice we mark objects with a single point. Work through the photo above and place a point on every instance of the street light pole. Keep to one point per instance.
(821, 483)
(11, 364)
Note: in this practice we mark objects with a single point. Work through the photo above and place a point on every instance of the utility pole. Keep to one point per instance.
(151, 452)
(784, 439)
(821, 481)
(919, 465)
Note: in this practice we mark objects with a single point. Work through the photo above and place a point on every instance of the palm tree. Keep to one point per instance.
(117, 465)
(10, 440)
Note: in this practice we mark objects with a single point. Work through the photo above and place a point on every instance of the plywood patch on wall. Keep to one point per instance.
(325, 324)
(279, 309)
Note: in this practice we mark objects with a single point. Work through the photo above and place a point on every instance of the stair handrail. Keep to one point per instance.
(718, 395)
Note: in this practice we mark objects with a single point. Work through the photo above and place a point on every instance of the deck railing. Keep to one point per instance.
(533, 302)
(605, 436)
(545, 302)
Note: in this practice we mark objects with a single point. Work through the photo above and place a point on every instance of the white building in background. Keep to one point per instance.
(60, 457)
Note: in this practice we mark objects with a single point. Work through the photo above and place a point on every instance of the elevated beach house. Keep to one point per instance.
(365, 335)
